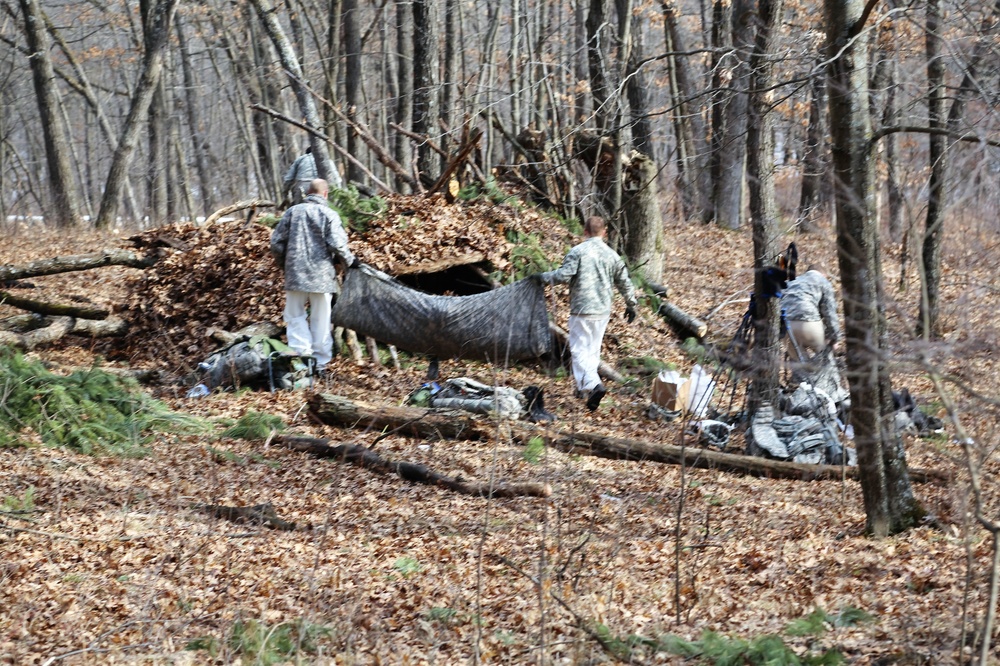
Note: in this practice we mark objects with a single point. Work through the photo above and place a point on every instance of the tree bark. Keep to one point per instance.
(890, 505)
(64, 205)
(689, 129)
(643, 241)
(412, 472)
(409, 421)
(728, 189)
(352, 80)
(55, 309)
(325, 167)
(424, 84)
(600, 86)
(404, 92)
(764, 213)
(813, 167)
(161, 17)
(928, 324)
(193, 112)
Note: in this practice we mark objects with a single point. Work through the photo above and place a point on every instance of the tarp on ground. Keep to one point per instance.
(502, 325)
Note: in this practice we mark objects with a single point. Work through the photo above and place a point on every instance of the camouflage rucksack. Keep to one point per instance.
(257, 362)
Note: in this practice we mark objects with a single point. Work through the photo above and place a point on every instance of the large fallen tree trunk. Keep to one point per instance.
(56, 309)
(412, 421)
(79, 262)
(337, 410)
(30, 331)
(365, 457)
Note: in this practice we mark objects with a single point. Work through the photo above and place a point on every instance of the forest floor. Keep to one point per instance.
(115, 566)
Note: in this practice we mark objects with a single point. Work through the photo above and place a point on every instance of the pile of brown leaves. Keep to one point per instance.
(220, 276)
(416, 231)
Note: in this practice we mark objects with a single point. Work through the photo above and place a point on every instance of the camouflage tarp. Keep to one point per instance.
(502, 325)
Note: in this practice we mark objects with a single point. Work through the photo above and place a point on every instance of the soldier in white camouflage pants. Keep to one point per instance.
(591, 268)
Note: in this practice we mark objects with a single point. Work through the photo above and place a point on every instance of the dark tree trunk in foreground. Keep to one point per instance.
(64, 198)
(161, 14)
(424, 85)
(764, 213)
(890, 505)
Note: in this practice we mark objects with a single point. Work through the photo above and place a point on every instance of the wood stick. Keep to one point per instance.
(372, 346)
(412, 472)
(354, 347)
(239, 205)
(54, 309)
(457, 160)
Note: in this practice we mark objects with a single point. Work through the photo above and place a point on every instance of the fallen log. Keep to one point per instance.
(617, 448)
(55, 309)
(79, 262)
(238, 206)
(27, 334)
(259, 514)
(337, 410)
(683, 324)
(413, 472)
(412, 421)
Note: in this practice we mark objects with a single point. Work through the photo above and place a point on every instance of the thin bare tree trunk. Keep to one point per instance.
(404, 88)
(307, 105)
(890, 505)
(728, 189)
(64, 206)
(160, 18)
(193, 112)
(352, 80)
(813, 168)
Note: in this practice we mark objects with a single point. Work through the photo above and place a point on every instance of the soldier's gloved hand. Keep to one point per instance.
(356, 263)
(630, 314)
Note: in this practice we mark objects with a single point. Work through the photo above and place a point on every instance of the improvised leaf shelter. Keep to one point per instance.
(502, 325)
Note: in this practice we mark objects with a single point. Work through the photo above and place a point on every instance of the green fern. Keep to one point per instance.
(90, 411)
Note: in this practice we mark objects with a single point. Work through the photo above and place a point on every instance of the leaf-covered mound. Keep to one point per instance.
(223, 276)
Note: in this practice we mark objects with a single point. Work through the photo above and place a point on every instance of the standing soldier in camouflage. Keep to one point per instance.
(305, 244)
(591, 268)
(297, 178)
